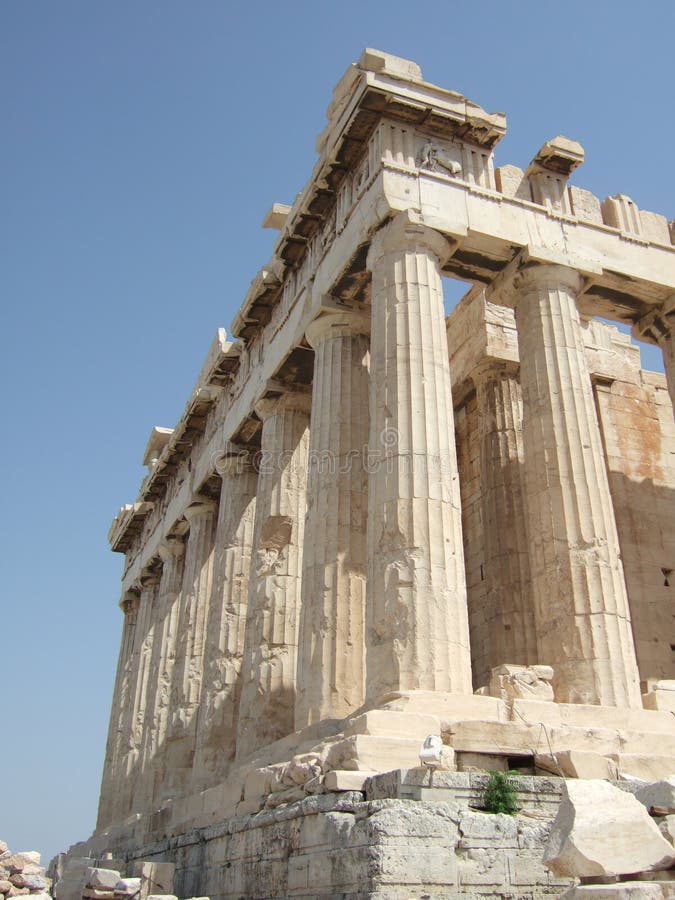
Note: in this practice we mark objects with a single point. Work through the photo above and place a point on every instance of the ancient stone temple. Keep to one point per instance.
(377, 523)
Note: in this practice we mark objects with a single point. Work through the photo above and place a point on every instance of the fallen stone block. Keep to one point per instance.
(344, 780)
(511, 682)
(578, 764)
(18, 879)
(659, 798)
(13, 863)
(90, 893)
(102, 879)
(33, 869)
(601, 830)
(36, 883)
(17, 862)
(162, 897)
(30, 857)
(5, 886)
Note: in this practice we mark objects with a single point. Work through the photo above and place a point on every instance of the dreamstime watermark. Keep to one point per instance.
(390, 453)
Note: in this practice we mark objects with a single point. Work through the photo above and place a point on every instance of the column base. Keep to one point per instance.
(480, 733)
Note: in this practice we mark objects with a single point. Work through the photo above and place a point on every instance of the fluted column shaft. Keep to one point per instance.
(658, 327)
(267, 705)
(583, 619)
(111, 769)
(417, 633)
(171, 552)
(140, 661)
(510, 607)
(188, 667)
(217, 731)
(330, 682)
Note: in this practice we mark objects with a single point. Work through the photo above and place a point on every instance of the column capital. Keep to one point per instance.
(342, 324)
(495, 368)
(656, 325)
(407, 231)
(199, 508)
(533, 268)
(234, 460)
(521, 276)
(294, 401)
(171, 548)
(150, 577)
(130, 601)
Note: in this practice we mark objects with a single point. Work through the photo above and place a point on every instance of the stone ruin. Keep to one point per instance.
(84, 878)
(375, 524)
(22, 875)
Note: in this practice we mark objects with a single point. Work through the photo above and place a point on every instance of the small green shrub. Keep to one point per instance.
(500, 794)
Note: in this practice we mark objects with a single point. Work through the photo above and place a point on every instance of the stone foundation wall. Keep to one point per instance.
(344, 846)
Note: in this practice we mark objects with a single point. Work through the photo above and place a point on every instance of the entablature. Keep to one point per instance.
(168, 447)
(127, 525)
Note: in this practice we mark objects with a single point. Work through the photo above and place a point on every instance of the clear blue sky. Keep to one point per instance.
(142, 143)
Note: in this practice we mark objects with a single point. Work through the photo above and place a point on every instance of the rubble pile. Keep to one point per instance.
(21, 873)
(85, 878)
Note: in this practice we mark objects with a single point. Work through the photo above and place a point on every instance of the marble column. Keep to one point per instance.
(583, 618)
(658, 327)
(135, 702)
(267, 705)
(171, 552)
(509, 603)
(187, 672)
(218, 710)
(330, 681)
(111, 770)
(417, 632)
